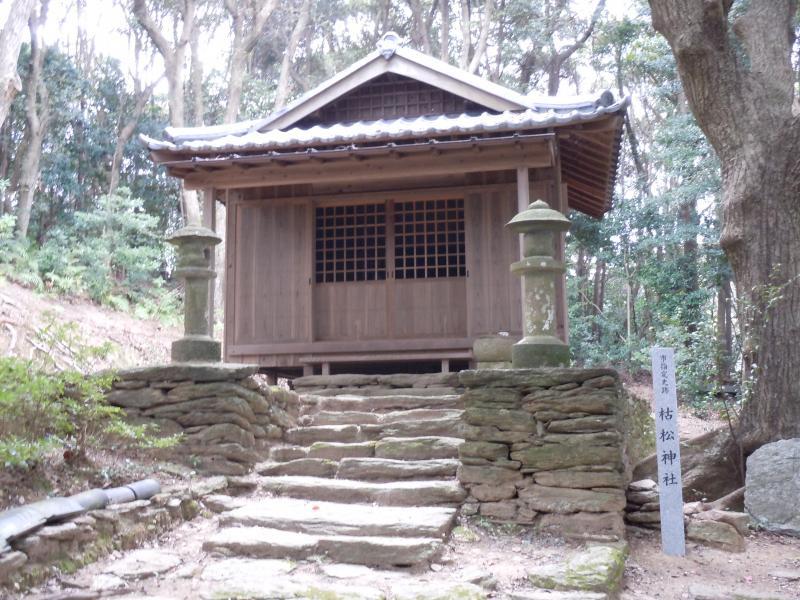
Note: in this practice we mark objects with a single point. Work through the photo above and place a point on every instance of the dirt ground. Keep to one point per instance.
(136, 341)
(505, 552)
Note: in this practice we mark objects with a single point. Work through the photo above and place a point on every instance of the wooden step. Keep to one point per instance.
(263, 542)
(396, 493)
(329, 518)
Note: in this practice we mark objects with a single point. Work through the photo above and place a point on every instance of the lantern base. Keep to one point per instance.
(539, 351)
(196, 349)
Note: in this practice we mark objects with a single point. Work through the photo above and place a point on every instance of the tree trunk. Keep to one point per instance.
(12, 34)
(125, 134)
(284, 81)
(466, 35)
(736, 70)
(724, 333)
(37, 119)
(444, 41)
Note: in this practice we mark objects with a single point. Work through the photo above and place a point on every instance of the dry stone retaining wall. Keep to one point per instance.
(547, 447)
(227, 413)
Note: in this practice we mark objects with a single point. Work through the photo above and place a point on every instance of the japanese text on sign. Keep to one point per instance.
(668, 452)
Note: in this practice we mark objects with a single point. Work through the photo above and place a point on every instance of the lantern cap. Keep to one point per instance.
(193, 233)
(538, 217)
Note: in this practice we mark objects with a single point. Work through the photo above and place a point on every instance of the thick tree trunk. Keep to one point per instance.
(444, 40)
(12, 34)
(761, 238)
(736, 69)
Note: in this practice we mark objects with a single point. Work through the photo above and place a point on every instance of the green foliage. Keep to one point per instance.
(44, 408)
(112, 254)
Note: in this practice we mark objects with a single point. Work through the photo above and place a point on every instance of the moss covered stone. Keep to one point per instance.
(595, 569)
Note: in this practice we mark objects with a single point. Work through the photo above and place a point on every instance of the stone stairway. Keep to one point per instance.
(363, 479)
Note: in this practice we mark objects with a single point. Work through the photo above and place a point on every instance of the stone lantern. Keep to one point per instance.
(540, 270)
(195, 265)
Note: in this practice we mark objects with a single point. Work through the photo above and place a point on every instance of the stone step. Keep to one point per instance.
(396, 493)
(388, 403)
(417, 448)
(447, 427)
(313, 467)
(283, 453)
(307, 394)
(328, 518)
(386, 469)
(374, 418)
(338, 450)
(305, 436)
(263, 542)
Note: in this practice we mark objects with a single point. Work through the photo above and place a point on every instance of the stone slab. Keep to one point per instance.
(313, 467)
(329, 518)
(566, 500)
(339, 450)
(386, 469)
(418, 448)
(772, 486)
(398, 493)
(143, 563)
(198, 372)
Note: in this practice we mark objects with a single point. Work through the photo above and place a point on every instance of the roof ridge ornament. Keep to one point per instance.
(388, 44)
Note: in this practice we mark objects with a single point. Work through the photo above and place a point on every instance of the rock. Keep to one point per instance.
(772, 486)
(493, 493)
(140, 564)
(644, 517)
(314, 467)
(218, 503)
(419, 448)
(706, 592)
(643, 485)
(565, 500)
(492, 398)
(284, 453)
(387, 469)
(222, 432)
(588, 402)
(554, 595)
(213, 404)
(328, 518)
(504, 419)
(595, 569)
(464, 534)
(716, 534)
(108, 584)
(492, 348)
(11, 562)
(601, 382)
(529, 378)
(487, 475)
(323, 381)
(396, 493)
(584, 526)
(339, 450)
(137, 398)
(549, 457)
(438, 591)
(345, 571)
(506, 511)
(787, 574)
(643, 497)
(579, 479)
(583, 424)
(200, 372)
(740, 521)
(208, 485)
(488, 450)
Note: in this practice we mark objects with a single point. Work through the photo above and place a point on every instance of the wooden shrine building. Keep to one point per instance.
(365, 221)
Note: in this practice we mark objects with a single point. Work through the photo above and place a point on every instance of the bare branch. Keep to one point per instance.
(488, 11)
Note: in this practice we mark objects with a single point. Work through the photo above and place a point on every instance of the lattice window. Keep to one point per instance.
(429, 239)
(350, 243)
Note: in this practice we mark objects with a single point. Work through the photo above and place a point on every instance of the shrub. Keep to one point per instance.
(43, 407)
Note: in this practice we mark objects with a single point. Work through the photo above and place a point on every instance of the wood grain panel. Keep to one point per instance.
(430, 308)
(273, 270)
(350, 311)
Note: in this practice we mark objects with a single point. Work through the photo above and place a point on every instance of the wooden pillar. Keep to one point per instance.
(210, 222)
(308, 370)
(523, 200)
(560, 190)
(326, 368)
(445, 365)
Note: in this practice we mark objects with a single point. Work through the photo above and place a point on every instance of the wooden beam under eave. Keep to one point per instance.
(417, 165)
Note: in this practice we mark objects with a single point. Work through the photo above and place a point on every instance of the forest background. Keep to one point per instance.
(83, 211)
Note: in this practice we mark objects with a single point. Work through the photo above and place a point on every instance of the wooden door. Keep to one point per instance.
(428, 291)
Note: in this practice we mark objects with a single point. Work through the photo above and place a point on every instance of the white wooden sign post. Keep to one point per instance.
(668, 452)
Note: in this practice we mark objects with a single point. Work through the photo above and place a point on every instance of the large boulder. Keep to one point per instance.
(772, 487)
